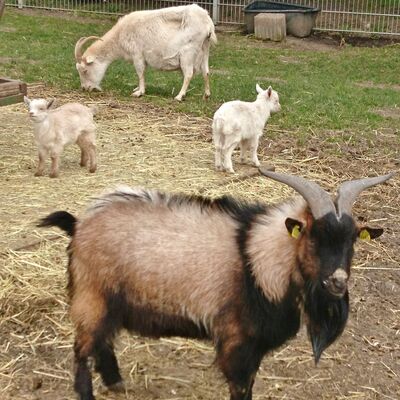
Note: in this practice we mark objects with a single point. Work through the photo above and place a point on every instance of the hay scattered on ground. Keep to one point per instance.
(141, 145)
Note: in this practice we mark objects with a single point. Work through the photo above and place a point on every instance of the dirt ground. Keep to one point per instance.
(139, 144)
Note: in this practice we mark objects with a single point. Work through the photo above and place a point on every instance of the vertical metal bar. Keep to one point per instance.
(215, 16)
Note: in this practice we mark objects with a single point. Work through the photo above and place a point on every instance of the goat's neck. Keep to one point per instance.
(263, 109)
(106, 49)
(41, 128)
(273, 252)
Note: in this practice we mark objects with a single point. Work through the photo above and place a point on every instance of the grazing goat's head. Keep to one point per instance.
(90, 68)
(38, 108)
(271, 96)
(326, 236)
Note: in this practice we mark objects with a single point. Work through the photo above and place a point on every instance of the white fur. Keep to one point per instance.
(166, 39)
(242, 123)
(59, 127)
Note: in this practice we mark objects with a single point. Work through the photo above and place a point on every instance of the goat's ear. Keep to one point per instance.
(269, 91)
(294, 227)
(90, 59)
(259, 89)
(367, 233)
(50, 102)
(27, 100)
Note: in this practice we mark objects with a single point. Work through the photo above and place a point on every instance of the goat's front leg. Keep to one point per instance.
(140, 67)
(84, 157)
(55, 163)
(239, 365)
(40, 167)
(227, 153)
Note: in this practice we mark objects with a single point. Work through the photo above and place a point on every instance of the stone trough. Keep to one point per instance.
(300, 20)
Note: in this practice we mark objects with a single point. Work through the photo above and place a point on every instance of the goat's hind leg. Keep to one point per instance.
(84, 157)
(186, 63)
(96, 326)
(218, 140)
(88, 151)
(107, 365)
(227, 151)
(92, 158)
(83, 378)
(253, 151)
(244, 146)
(206, 77)
(140, 67)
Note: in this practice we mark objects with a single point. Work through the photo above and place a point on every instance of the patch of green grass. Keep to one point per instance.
(318, 89)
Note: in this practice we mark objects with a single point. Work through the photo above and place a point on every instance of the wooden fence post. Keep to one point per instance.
(2, 6)
(215, 16)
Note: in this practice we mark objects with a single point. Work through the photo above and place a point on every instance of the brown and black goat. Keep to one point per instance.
(239, 274)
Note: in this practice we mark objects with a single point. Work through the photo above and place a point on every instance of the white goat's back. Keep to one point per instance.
(238, 118)
(70, 120)
(175, 30)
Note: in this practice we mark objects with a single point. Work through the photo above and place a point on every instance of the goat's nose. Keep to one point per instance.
(31, 114)
(339, 283)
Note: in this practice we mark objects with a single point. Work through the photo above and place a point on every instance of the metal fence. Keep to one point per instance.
(377, 17)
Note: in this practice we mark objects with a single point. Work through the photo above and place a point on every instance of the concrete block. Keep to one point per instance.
(270, 26)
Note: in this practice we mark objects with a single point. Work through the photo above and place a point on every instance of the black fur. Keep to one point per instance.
(276, 322)
(106, 363)
(237, 209)
(145, 321)
(333, 242)
(264, 325)
(62, 219)
(83, 377)
(327, 317)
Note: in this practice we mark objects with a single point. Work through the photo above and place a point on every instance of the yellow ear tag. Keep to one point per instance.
(364, 235)
(296, 231)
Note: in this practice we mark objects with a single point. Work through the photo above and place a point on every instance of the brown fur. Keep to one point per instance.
(273, 251)
(149, 247)
(150, 250)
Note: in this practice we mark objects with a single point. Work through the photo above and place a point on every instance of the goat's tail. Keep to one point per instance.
(212, 36)
(63, 219)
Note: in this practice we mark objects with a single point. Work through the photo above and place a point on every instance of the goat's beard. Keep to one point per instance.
(327, 317)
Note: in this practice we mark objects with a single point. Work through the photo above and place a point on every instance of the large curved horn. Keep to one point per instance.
(79, 45)
(318, 199)
(348, 191)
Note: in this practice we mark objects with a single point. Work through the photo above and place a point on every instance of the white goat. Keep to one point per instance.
(56, 128)
(242, 123)
(166, 39)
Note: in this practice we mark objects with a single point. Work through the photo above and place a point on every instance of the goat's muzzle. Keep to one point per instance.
(336, 284)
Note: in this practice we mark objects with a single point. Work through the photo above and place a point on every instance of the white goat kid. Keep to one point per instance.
(167, 39)
(56, 128)
(242, 123)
